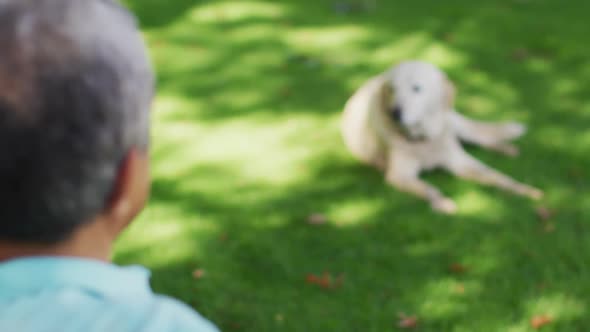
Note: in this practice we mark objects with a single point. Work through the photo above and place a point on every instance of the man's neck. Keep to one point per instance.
(9, 251)
(90, 241)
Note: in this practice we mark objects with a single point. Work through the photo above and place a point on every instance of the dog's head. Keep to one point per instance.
(415, 96)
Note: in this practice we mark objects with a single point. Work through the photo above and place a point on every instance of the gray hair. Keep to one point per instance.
(75, 92)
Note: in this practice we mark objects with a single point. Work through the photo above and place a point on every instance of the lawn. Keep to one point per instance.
(246, 147)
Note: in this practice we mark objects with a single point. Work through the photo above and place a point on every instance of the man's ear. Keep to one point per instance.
(449, 93)
(130, 191)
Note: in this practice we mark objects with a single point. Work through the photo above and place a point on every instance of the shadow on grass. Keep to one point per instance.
(518, 59)
(395, 257)
(158, 13)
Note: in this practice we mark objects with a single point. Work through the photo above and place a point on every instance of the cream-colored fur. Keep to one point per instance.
(403, 122)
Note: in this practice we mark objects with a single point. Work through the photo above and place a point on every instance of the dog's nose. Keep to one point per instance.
(396, 114)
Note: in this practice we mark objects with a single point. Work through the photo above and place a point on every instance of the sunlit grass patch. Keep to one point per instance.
(354, 213)
(480, 202)
(246, 146)
(555, 309)
(446, 298)
(235, 10)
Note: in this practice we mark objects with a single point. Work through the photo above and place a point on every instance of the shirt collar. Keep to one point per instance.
(103, 279)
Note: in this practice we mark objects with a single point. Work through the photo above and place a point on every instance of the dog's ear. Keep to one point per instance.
(449, 93)
(386, 94)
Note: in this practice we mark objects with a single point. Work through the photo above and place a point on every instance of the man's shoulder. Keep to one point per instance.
(75, 311)
(65, 294)
(177, 316)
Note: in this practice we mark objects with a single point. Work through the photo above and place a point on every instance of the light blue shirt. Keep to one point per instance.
(48, 294)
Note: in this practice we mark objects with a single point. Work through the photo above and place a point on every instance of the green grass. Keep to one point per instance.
(246, 147)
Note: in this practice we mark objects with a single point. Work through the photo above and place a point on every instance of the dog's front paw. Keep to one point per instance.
(534, 193)
(506, 149)
(513, 130)
(529, 191)
(444, 205)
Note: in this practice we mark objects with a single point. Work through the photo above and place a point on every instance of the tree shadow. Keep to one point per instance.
(396, 257)
(157, 13)
(509, 59)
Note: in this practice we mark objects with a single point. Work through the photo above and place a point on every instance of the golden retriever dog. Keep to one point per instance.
(403, 122)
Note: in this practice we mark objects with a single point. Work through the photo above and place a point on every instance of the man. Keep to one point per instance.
(75, 92)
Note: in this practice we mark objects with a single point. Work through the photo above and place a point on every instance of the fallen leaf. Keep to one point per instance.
(407, 322)
(198, 274)
(324, 281)
(538, 322)
(317, 219)
(457, 268)
(279, 318)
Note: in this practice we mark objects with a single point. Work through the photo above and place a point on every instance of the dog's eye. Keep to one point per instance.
(416, 88)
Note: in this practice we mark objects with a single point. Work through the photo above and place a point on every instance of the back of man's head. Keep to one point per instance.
(75, 89)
